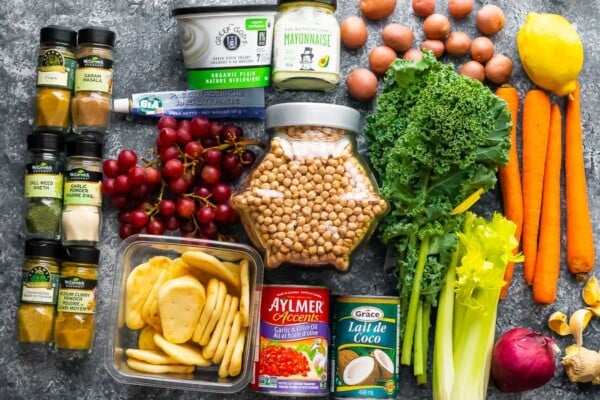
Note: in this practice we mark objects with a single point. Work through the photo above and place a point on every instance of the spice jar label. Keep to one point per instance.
(94, 73)
(40, 285)
(56, 69)
(77, 295)
(43, 179)
(83, 187)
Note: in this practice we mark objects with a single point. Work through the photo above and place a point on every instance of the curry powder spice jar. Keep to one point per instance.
(55, 77)
(91, 106)
(39, 290)
(75, 322)
(44, 185)
(82, 197)
(306, 45)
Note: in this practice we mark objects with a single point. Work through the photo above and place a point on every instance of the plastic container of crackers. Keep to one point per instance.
(184, 313)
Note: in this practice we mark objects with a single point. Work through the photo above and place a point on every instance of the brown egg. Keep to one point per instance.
(423, 8)
(353, 32)
(482, 49)
(397, 36)
(413, 54)
(377, 9)
(473, 70)
(460, 8)
(380, 59)
(436, 26)
(436, 46)
(490, 19)
(361, 84)
(458, 43)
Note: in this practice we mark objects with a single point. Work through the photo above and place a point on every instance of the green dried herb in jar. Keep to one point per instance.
(44, 186)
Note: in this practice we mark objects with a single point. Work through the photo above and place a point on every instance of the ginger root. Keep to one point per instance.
(582, 365)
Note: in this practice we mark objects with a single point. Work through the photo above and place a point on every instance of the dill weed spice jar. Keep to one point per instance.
(311, 200)
(82, 198)
(44, 185)
(55, 76)
(39, 289)
(306, 45)
(75, 322)
(91, 106)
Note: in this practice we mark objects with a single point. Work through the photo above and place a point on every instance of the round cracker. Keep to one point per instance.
(211, 265)
(185, 353)
(222, 344)
(235, 365)
(231, 340)
(212, 293)
(146, 338)
(214, 318)
(230, 308)
(151, 356)
(159, 369)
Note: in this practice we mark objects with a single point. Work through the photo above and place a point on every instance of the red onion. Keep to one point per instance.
(523, 360)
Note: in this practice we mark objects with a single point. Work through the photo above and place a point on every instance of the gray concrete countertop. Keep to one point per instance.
(148, 58)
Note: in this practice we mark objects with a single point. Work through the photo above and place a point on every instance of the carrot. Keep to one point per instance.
(547, 263)
(536, 123)
(509, 177)
(580, 240)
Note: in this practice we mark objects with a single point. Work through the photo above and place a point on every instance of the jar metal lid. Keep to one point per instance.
(81, 254)
(48, 141)
(58, 34)
(328, 2)
(96, 35)
(318, 114)
(43, 248)
(84, 146)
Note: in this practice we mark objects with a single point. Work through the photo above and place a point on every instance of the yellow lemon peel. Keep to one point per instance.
(551, 52)
(557, 322)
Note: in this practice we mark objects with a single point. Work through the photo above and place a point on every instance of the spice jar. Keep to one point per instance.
(311, 199)
(39, 289)
(55, 76)
(75, 322)
(82, 198)
(306, 45)
(91, 106)
(44, 185)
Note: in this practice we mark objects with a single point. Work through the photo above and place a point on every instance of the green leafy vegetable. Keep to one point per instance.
(466, 318)
(435, 138)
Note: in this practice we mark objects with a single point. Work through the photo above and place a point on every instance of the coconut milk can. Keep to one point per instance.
(365, 343)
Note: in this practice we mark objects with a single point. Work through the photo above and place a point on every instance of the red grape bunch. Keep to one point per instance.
(187, 186)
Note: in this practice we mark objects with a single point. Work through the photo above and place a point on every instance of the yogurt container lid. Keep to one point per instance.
(176, 12)
(321, 114)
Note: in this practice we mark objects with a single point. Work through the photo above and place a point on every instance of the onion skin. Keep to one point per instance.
(523, 360)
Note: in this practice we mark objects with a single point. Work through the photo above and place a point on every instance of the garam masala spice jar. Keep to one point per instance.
(44, 185)
(55, 77)
(39, 290)
(82, 197)
(75, 322)
(91, 106)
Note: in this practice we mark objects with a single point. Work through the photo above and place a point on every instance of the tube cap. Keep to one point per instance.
(121, 106)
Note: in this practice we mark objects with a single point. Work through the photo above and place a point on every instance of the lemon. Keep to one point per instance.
(551, 52)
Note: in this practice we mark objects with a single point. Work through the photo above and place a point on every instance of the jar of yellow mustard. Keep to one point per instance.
(75, 322)
(306, 45)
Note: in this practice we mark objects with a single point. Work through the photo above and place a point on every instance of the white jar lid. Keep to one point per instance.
(317, 114)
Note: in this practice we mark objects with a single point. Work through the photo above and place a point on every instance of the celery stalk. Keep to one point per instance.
(418, 367)
(422, 378)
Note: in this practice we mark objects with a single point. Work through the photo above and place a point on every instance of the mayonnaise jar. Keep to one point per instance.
(306, 45)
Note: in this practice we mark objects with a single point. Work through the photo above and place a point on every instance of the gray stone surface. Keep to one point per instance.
(148, 58)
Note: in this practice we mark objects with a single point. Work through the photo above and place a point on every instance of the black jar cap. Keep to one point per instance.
(96, 35)
(48, 141)
(328, 2)
(58, 34)
(43, 248)
(81, 254)
(83, 146)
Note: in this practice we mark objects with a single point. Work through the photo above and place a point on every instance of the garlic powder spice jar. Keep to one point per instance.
(311, 200)
(306, 46)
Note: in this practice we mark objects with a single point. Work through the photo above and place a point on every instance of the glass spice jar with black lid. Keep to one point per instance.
(44, 185)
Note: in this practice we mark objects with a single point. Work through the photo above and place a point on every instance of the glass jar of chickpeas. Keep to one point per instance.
(311, 200)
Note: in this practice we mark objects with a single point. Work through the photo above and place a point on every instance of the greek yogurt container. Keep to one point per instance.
(226, 47)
